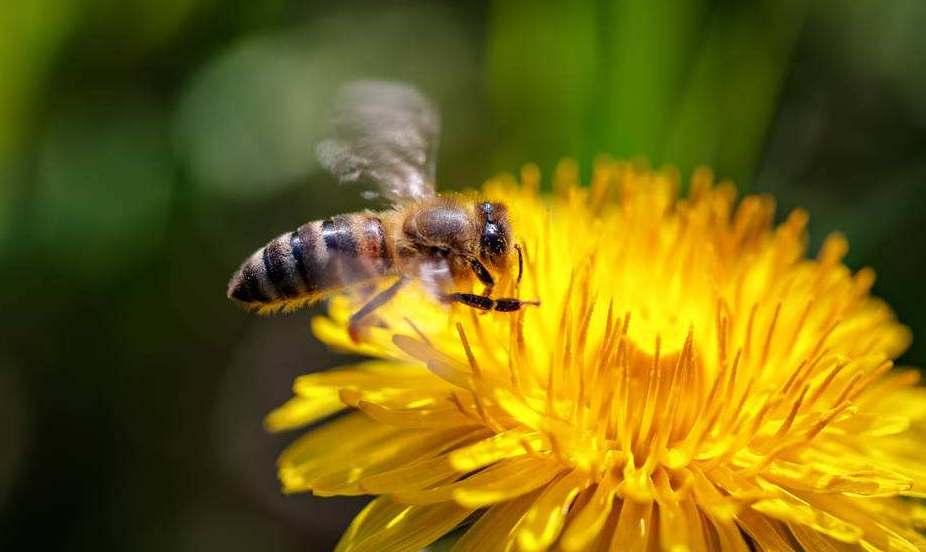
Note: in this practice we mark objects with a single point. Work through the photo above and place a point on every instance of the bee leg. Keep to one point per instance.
(483, 274)
(383, 297)
(482, 302)
(520, 262)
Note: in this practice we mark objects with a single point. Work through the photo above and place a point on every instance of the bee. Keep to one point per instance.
(386, 133)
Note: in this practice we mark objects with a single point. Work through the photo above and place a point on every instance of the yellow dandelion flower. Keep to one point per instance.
(691, 382)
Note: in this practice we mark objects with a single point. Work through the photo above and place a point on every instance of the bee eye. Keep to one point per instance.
(493, 242)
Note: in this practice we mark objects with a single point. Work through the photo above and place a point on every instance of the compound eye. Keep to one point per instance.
(493, 242)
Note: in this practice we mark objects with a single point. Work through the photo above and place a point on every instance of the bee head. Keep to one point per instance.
(495, 241)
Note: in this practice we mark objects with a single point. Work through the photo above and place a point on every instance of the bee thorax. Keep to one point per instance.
(441, 226)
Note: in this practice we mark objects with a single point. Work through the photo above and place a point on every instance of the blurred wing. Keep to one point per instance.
(434, 275)
(385, 133)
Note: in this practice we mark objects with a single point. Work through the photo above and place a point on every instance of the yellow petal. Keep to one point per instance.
(372, 375)
(419, 474)
(387, 527)
(675, 533)
(496, 526)
(491, 450)
(769, 534)
(319, 393)
(874, 424)
(329, 439)
(729, 536)
(697, 524)
(496, 489)
(341, 475)
(335, 335)
(587, 523)
(502, 481)
(373, 518)
(818, 542)
(792, 510)
(442, 415)
(872, 534)
(544, 521)
(518, 409)
(299, 411)
(634, 526)
(442, 365)
(874, 483)
(709, 498)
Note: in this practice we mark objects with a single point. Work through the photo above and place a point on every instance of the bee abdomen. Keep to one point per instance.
(313, 259)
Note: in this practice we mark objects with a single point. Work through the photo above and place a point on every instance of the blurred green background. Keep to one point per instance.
(147, 147)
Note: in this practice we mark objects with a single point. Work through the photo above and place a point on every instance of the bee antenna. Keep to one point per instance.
(520, 262)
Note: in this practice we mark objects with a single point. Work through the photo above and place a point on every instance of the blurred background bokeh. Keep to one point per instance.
(146, 147)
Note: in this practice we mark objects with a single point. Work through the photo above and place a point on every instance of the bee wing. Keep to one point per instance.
(386, 133)
(435, 276)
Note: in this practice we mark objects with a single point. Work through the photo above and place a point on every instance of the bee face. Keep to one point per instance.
(495, 239)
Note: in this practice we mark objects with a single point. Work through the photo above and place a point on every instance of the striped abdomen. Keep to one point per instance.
(315, 258)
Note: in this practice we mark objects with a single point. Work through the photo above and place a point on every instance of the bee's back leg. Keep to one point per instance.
(383, 297)
(481, 302)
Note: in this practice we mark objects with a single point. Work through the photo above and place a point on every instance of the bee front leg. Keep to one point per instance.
(482, 302)
(383, 297)
(482, 273)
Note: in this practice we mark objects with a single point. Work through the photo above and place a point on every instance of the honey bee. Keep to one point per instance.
(386, 133)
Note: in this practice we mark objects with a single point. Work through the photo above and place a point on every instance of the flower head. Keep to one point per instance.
(690, 382)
